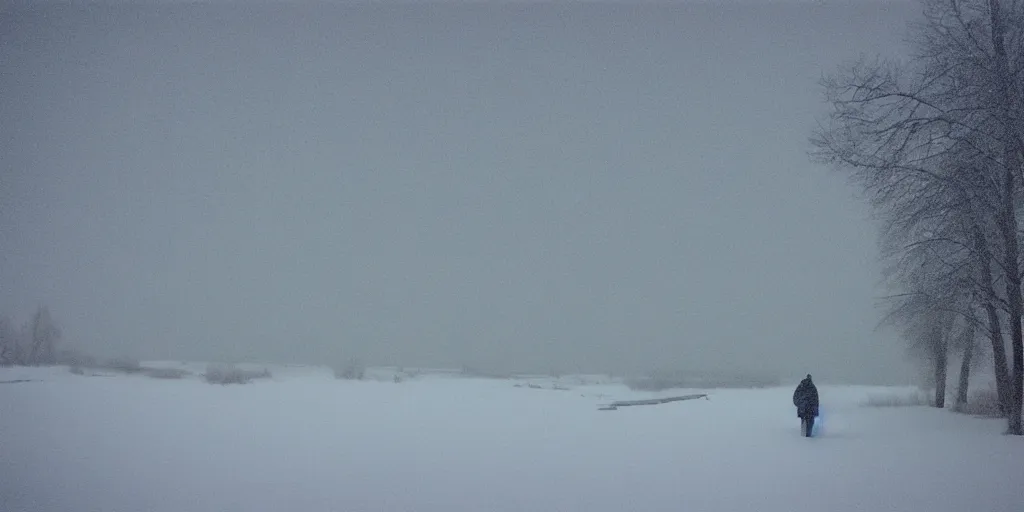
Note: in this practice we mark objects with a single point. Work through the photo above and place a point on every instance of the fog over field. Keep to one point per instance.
(555, 187)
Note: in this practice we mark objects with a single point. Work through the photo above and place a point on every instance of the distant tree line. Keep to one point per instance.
(936, 144)
(34, 343)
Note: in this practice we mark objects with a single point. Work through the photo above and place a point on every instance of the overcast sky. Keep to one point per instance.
(519, 187)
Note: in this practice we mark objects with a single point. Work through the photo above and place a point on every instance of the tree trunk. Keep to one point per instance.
(1008, 222)
(1008, 225)
(1013, 281)
(995, 330)
(1002, 369)
(965, 369)
(1016, 341)
(941, 363)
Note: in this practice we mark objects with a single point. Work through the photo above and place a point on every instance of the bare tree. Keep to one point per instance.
(929, 317)
(1006, 29)
(967, 344)
(45, 336)
(990, 302)
(10, 343)
(936, 143)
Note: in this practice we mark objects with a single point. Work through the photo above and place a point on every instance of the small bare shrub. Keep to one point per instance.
(982, 403)
(166, 373)
(77, 370)
(351, 370)
(123, 364)
(231, 374)
(71, 357)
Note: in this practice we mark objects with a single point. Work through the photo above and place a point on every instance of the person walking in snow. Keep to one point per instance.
(805, 398)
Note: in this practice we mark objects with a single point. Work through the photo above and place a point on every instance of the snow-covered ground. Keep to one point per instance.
(303, 441)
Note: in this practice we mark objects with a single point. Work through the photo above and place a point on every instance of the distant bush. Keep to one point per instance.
(71, 357)
(77, 370)
(225, 375)
(916, 398)
(123, 364)
(231, 374)
(165, 373)
(351, 370)
(982, 403)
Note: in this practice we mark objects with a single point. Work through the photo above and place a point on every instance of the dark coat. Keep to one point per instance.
(805, 398)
